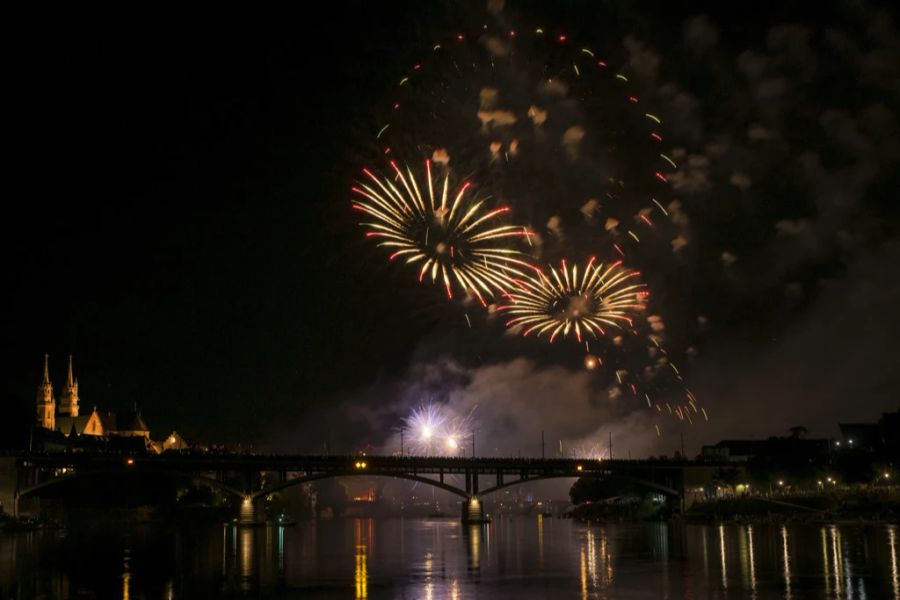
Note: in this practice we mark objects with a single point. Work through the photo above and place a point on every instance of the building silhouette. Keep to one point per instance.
(65, 419)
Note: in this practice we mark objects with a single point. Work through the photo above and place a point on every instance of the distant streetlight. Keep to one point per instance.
(887, 475)
(850, 441)
(838, 443)
(780, 482)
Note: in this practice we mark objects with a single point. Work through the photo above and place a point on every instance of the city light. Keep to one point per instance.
(130, 461)
(780, 482)
(887, 475)
(579, 468)
(360, 465)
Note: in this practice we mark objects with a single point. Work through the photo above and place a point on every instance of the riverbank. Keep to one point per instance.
(849, 506)
(835, 507)
(9, 523)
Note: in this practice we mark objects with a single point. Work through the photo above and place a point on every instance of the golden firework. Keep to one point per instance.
(449, 235)
(576, 301)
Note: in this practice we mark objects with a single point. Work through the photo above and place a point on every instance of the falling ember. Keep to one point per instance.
(449, 235)
(664, 211)
(569, 300)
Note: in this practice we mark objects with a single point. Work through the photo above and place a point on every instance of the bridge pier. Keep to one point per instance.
(471, 482)
(247, 515)
(473, 510)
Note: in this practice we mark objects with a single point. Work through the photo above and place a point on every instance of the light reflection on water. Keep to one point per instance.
(522, 557)
(787, 563)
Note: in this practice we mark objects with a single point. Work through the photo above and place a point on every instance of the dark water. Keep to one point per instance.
(522, 557)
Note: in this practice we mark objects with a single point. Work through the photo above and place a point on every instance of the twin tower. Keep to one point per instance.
(46, 403)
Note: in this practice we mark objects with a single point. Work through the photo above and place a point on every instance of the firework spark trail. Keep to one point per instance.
(588, 301)
(451, 236)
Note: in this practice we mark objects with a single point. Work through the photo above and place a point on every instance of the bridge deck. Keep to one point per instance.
(308, 463)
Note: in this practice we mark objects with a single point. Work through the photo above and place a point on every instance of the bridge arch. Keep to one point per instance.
(642, 482)
(317, 476)
(87, 474)
(669, 491)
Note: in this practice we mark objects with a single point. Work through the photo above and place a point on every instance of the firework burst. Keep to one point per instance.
(450, 236)
(576, 301)
(436, 432)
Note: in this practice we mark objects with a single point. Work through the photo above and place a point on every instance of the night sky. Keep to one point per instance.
(177, 217)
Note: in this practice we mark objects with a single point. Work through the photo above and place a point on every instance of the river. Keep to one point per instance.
(513, 557)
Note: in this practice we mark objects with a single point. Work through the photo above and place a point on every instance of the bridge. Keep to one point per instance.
(258, 476)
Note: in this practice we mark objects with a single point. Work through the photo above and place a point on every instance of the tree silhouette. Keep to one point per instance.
(798, 432)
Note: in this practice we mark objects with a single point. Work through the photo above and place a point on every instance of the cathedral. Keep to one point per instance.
(64, 417)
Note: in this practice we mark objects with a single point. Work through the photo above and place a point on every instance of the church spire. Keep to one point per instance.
(46, 405)
(69, 402)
